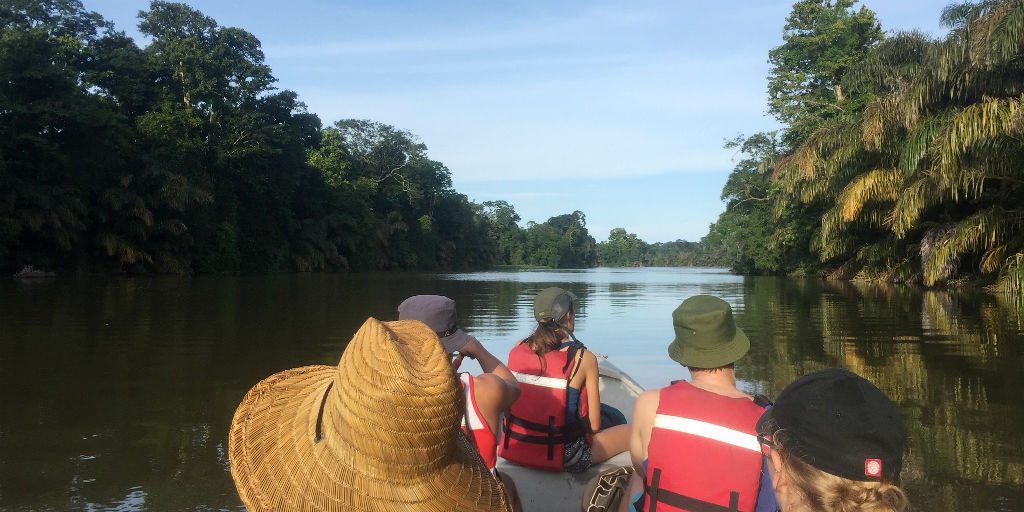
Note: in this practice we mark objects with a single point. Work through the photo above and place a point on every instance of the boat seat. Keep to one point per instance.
(543, 491)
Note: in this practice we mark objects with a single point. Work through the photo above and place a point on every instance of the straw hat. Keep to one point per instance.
(378, 432)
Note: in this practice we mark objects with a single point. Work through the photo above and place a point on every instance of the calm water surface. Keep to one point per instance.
(116, 394)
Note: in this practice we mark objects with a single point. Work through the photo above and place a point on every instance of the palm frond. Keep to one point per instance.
(122, 251)
(984, 230)
(1011, 280)
(998, 35)
(875, 185)
(826, 148)
(833, 240)
(890, 65)
(917, 196)
(993, 258)
(915, 146)
(989, 118)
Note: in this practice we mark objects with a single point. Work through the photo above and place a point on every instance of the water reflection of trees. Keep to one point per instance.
(114, 392)
(103, 407)
(952, 360)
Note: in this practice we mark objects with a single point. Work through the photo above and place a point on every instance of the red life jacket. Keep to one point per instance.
(703, 455)
(535, 430)
(475, 426)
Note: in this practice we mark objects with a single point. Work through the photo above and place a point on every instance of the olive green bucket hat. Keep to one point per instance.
(706, 334)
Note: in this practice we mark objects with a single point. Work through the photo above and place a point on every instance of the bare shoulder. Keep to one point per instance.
(646, 404)
(649, 398)
(488, 383)
(589, 359)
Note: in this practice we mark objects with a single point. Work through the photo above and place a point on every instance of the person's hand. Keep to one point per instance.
(457, 362)
(472, 348)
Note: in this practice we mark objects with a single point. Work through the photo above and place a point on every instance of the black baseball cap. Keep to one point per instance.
(840, 423)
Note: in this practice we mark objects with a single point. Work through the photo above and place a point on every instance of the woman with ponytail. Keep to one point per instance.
(835, 444)
(556, 423)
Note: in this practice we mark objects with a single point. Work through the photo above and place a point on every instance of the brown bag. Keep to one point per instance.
(606, 491)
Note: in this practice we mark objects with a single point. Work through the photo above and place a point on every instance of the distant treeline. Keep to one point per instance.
(901, 156)
(623, 249)
(181, 157)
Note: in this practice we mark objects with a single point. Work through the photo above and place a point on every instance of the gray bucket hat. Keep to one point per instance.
(438, 312)
(706, 334)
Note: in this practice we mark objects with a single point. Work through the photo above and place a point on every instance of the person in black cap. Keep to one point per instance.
(835, 443)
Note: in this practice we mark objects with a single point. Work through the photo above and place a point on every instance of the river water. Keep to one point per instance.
(116, 394)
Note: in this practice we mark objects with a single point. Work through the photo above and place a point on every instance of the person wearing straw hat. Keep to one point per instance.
(694, 443)
(487, 395)
(378, 432)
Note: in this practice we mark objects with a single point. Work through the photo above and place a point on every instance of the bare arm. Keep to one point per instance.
(493, 366)
(644, 410)
(593, 390)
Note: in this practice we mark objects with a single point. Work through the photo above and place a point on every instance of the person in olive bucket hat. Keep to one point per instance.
(694, 443)
(706, 335)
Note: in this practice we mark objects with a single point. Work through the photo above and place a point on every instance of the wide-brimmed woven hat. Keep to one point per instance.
(378, 432)
(706, 334)
(438, 312)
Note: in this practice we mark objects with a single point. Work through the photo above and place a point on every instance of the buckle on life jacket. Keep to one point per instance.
(655, 495)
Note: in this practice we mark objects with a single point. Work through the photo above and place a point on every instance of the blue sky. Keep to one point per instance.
(617, 109)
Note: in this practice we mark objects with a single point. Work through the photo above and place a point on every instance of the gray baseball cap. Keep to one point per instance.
(438, 312)
(552, 304)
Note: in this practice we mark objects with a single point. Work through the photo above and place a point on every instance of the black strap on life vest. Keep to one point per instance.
(576, 347)
(550, 434)
(657, 495)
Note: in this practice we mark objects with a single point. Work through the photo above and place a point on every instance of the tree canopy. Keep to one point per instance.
(915, 173)
(183, 157)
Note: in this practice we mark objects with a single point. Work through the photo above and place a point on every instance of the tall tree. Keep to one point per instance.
(821, 40)
(504, 222)
(766, 227)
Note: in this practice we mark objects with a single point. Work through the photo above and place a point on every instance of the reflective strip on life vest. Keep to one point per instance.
(544, 382)
(707, 430)
(473, 416)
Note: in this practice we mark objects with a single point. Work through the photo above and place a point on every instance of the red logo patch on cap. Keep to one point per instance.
(873, 467)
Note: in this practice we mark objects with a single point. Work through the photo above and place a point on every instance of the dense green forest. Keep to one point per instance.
(900, 156)
(898, 160)
(623, 249)
(182, 157)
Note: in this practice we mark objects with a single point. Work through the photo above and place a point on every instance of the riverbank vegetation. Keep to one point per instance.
(898, 160)
(900, 157)
(624, 249)
(182, 157)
